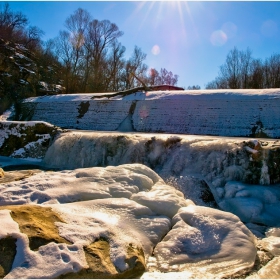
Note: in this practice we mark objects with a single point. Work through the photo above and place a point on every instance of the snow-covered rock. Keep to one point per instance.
(20, 70)
(269, 271)
(26, 139)
(206, 240)
(89, 222)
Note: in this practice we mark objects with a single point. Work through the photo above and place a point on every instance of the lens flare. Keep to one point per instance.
(230, 29)
(218, 38)
(155, 50)
(269, 28)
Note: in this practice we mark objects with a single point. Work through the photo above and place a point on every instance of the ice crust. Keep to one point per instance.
(252, 203)
(126, 204)
(220, 163)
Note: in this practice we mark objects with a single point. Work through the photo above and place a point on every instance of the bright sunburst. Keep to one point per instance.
(155, 13)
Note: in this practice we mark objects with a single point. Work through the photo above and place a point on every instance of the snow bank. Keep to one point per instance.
(93, 183)
(204, 112)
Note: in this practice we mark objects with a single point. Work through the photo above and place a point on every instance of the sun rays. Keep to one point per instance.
(159, 11)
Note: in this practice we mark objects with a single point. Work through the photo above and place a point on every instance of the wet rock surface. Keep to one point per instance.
(11, 176)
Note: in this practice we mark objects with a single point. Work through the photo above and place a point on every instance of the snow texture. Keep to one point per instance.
(49, 261)
(200, 239)
(116, 203)
(188, 112)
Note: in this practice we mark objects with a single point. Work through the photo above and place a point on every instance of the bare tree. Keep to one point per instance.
(32, 39)
(167, 77)
(235, 72)
(69, 52)
(100, 37)
(78, 22)
(94, 59)
(77, 25)
(217, 83)
(135, 67)
(115, 68)
(70, 47)
(194, 87)
(11, 23)
(153, 77)
(272, 71)
(235, 69)
(257, 77)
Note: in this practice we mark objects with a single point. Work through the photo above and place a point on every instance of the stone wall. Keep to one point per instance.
(253, 113)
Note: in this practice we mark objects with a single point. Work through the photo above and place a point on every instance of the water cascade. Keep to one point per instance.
(206, 169)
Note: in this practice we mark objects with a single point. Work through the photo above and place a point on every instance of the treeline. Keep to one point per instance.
(93, 58)
(85, 57)
(241, 70)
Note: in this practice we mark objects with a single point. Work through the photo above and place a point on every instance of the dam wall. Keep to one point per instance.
(245, 113)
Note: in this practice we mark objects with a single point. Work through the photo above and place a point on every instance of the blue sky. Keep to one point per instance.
(190, 39)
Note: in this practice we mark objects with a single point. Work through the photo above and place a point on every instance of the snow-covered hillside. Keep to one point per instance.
(204, 112)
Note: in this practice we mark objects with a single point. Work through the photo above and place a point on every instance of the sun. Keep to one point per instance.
(155, 13)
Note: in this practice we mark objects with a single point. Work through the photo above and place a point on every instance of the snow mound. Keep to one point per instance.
(207, 240)
(131, 207)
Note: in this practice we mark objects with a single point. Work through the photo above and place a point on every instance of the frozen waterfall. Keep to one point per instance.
(231, 172)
